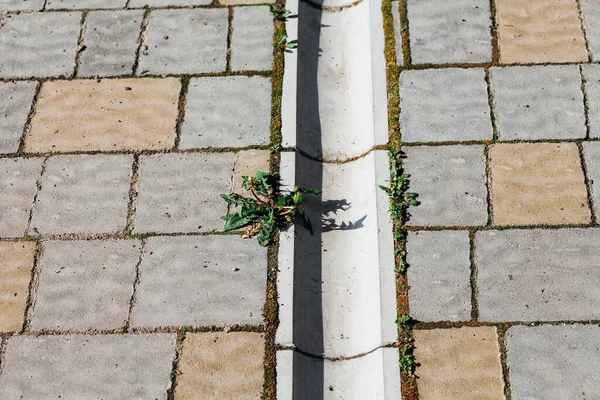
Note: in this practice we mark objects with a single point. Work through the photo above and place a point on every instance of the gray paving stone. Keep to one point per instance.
(538, 274)
(15, 102)
(440, 105)
(541, 102)
(439, 275)
(85, 4)
(88, 366)
(182, 192)
(252, 39)
(185, 42)
(554, 362)
(39, 44)
(449, 31)
(167, 3)
(397, 33)
(105, 268)
(227, 112)
(23, 5)
(590, 11)
(83, 194)
(591, 74)
(111, 40)
(201, 281)
(18, 178)
(591, 153)
(450, 182)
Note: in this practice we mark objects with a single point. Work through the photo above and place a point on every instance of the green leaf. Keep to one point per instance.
(236, 221)
(386, 189)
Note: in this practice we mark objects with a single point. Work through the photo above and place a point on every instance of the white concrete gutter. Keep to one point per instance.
(336, 287)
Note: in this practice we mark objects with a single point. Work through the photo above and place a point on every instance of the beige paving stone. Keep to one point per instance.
(538, 184)
(459, 363)
(247, 163)
(221, 366)
(16, 261)
(539, 31)
(102, 115)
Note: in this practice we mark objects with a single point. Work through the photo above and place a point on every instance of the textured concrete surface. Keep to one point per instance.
(458, 363)
(85, 4)
(217, 366)
(591, 154)
(248, 163)
(591, 76)
(88, 366)
(449, 32)
(541, 102)
(537, 184)
(538, 275)
(252, 39)
(590, 13)
(105, 268)
(450, 182)
(16, 262)
(554, 362)
(109, 115)
(167, 3)
(441, 105)
(23, 5)
(15, 103)
(539, 31)
(182, 192)
(439, 272)
(201, 281)
(83, 194)
(227, 112)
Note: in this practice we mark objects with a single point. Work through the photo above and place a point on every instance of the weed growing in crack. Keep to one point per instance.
(288, 46)
(407, 359)
(400, 197)
(278, 14)
(267, 211)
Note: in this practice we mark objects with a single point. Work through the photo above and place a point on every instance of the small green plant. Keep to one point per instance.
(267, 210)
(400, 198)
(407, 360)
(280, 15)
(283, 41)
(405, 322)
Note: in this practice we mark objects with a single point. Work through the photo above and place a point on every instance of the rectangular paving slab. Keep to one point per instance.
(538, 274)
(85, 4)
(591, 76)
(590, 12)
(16, 263)
(167, 3)
(15, 102)
(252, 39)
(88, 366)
(22, 5)
(591, 154)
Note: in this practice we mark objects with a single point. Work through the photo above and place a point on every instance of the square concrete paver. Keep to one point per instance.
(105, 269)
(111, 42)
(439, 275)
(201, 281)
(591, 76)
(591, 153)
(538, 275)
(83, 194)
(440, 105)
(538, 184)
(554, 362)
(541, 102)
(182, 192)
(18, 186)
(443, 32)
(216, 366)
(85, 4)
(88, 366)
(248, 163)
(184, 41)
(227, 112)
(22, 5)
(106, 115)
(590, 12)
(16, 263)
(252, 39)
(39, 44)
(450, 182)
(539, 31)
(458, 364)
(15, 103)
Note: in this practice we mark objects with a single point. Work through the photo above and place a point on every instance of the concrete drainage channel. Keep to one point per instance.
(337, 305)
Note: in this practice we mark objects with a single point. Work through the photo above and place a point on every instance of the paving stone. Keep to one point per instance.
(18, 179)
(83, 194)
(397, 33)
(539, 31)
(15, 103)
(39, 44)
(227, 112)
(554, 362)
(590, 13)
(109, 115)
(538, 275)
(167, 3)
(591, 74)
(538, 184)
(201, 281)
(105, 268)
(221, 365)
(440, 105)
(16, 262)
(542, 102)
(240, 2)
(22, 5)
(439, 276)
(449, 32)
(459, 363)
(111, 42)
(189, 41)
(85, 4)
(182, 192)
(591, 153)
(88, 366)
(248, 163)
(252, 39)
(450, 182)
